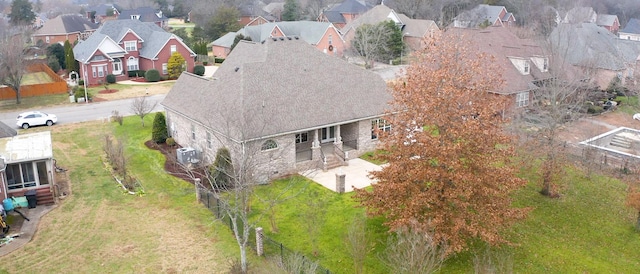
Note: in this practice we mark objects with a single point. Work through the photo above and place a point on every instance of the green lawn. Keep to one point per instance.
(36, 78)
(34, 102)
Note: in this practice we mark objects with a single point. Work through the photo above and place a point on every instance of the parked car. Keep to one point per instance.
(35, 118)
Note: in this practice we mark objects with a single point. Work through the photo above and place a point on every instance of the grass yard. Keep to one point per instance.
(36, 78)
(587, 230)
(98, 229)
(34, 102)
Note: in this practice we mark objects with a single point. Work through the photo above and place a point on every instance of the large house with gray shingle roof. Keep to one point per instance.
(322, 35)
(103, 12)
(72, 27)
(145, 14)
(484, 16)
(345, 12)
(285, 103)
(121, 47)
(631, 31)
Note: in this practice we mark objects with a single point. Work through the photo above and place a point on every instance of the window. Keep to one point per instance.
(94, 71)
(526, 67)
(117, 66)
(208, 139)
(164, 69)
(135, 17)
(101, 70)
(301, 137)
(47, 39)
(269, 144)
(522, 99)
(23, 175)
(173, 49)
(379, 125)
(131, 45)
(545, 65)
(132, 64)
(330, 39)
(193, 132)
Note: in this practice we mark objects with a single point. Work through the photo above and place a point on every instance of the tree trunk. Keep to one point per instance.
(638, 222)
(18, 98)
(243, 258)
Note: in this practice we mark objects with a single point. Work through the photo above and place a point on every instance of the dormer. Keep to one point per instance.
(159, 14)
(522, 64)
(135, 17)
(541, 62)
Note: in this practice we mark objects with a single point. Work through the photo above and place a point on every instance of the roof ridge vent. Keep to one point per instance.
(288, 37)
(274, 39)
(281, 38)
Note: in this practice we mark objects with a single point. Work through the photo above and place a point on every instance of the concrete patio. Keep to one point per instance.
(356, 175)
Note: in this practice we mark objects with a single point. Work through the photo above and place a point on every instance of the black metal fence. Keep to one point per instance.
(271, 248)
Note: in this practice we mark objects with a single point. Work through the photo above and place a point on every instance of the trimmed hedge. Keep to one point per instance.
(152, 75)
(111, 79)
(198, 70)
(136, 73)
(218, 60)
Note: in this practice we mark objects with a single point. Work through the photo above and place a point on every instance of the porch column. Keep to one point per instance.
(315, 147)
(338, 140)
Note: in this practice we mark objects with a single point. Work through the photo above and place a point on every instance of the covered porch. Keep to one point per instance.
(324, 144)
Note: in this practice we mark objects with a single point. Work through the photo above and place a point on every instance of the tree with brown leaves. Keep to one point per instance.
(450, 173)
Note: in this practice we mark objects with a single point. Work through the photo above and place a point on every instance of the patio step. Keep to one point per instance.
(620, 141)
(333, 161)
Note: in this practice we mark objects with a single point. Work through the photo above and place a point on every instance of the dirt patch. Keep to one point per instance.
(171, 165)
(133, 91)
(105, 91)
(583, 129)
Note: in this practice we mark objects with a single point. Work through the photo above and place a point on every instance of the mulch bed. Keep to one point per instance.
(171, 165)
(104, 91)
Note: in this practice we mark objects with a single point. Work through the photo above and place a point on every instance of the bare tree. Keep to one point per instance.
(315, 7)
(12, 54)
(357, 243)
(492, 262)
(410, 251)
(141, 107)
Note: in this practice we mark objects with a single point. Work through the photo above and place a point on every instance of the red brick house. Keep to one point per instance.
(121, 47)
(65, 27)
(485, 16)
(341, 14)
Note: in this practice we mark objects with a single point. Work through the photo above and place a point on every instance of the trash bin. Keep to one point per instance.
(31, 198)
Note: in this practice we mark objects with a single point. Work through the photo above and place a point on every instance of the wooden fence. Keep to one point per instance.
(58, 86)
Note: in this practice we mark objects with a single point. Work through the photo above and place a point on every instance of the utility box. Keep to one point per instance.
(186, 155)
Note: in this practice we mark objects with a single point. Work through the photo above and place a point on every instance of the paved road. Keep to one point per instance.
(83, 112)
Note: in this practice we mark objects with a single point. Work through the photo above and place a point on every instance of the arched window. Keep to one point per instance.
(269, 144)
(132, 63)
(117, 66)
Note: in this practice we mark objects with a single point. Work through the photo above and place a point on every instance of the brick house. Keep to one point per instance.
(324, 36)
(283, 102)
(65, 27)
(341, 14)
(123, 46)
(98, 13)
(484, 16)
(145, 14)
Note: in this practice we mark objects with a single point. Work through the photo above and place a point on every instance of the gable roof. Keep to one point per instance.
(101, 10)
(147, 14)
(482, 13)
(84, 51)
(154, 38)
(633, 26)
(277, 87)
(590, 45)
(606, 20)
(66, 23)
(580, 15)
(381, 13)
(503, 44)
(334, 14)
(309, 31)
(7, 131)
(224, 41)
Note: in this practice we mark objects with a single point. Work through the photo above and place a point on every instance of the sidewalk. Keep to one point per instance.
(28, 228)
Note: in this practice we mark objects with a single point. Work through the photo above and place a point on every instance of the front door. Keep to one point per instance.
(327, 134)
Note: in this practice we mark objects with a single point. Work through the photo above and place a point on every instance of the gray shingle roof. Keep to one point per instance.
(480, 14)
(632, 27)
(66, 23)
(275, 87)
(153, 36)
(101, 10)
(310, 31)
(147, 14)
(7, 131)
(224, 41)
(381, 13)
(593, 46)
(606, 19)
(334, 14)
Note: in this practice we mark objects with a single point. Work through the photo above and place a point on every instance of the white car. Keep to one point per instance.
(35, 118)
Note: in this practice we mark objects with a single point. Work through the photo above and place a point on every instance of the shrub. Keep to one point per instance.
(204, 63)
(111, 79)
(221, 171)
(171, 142)
(159, 132)
(81, 82)
(152, 75)
(218, 60)
(135, 73)
(79, 93)
(198, 70)
(115, 115)
(53, 63)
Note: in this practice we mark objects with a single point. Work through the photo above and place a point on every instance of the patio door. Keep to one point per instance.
(327, 134)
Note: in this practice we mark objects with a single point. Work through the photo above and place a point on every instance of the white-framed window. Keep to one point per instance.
(135, 17)
(101, 71)
(526, 67)
(302, 137)
(173, 49)
(46, 39)
(117, 66)
(193, 132)
(379, 125)
(25, 175)
(522, 99)
(131, 45)
(330, 39)
(209, 140)
(132, 63)
(269, 144)
(164, 68)
(94, 71)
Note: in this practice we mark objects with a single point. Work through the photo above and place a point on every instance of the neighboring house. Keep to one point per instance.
(631, 31)
(289, 106)
(522, 63)
(145, 14)
(72, 27)
(609, 22)
(341, 14)
(253, 13)
(98, 14)
(324, 36)
(597, 51)
(123, 46)
(485, 16)
(39, 21)
(29, 166)
(274, 9)
(413, 30)
(580, 15)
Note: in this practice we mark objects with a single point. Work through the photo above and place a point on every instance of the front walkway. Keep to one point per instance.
(356, 175)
